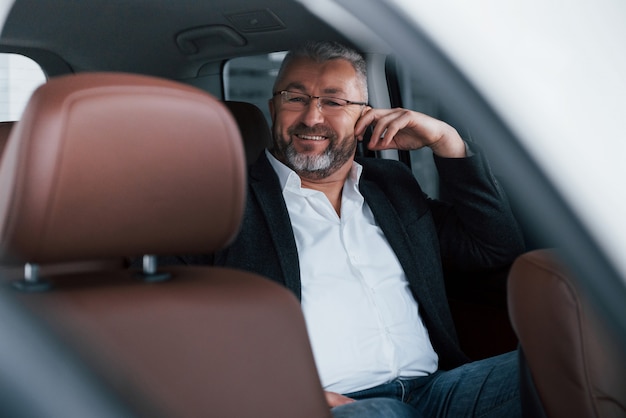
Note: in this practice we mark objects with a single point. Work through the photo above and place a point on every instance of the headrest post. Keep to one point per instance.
(31, 272)
(32, 282)
(149, 272)
(149, 264)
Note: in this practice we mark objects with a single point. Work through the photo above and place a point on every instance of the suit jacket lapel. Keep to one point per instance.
(266, 188)
(389, 221)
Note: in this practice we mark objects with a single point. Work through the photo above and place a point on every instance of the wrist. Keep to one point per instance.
(451, 145)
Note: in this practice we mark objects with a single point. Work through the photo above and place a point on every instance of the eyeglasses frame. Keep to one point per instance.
(319, 103)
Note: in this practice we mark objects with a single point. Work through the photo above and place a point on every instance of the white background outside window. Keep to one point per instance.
(19, 77)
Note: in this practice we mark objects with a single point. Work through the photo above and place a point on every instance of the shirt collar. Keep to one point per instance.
(287, 176)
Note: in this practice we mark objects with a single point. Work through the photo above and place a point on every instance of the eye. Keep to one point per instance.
(297, 99)
(331, 102)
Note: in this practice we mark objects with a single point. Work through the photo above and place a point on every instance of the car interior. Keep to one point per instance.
(138, 322)
(137, 146)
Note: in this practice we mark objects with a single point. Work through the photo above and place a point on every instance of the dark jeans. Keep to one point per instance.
(485, 388)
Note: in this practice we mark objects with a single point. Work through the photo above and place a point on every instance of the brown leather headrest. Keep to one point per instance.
(105, 165)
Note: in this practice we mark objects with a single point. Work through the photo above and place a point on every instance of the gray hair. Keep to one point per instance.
(323, 51)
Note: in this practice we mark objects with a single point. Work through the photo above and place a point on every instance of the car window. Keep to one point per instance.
(19, 77)
(409, 90)
(422, 163)
(410, 94)
(250, 79)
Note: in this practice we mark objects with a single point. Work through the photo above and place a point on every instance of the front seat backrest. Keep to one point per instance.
(111, 165)
(577, 367)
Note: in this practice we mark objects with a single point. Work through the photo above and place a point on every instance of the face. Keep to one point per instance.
(310, 141)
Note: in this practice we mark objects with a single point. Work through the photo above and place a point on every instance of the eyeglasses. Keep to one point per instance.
(297, 102)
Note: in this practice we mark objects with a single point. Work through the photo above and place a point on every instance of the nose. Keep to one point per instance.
(318, 102)
(312, 114)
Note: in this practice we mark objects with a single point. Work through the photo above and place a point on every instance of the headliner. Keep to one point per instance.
(140, 35)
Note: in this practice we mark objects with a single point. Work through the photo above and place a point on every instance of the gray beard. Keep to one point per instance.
(308, 163)
(315, 167)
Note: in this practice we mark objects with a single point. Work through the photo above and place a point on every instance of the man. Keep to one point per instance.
(363, 249)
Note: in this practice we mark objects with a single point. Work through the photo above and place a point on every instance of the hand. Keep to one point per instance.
(334, 399)
(408, 130)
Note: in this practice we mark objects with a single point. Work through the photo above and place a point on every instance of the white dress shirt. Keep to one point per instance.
(362, 320)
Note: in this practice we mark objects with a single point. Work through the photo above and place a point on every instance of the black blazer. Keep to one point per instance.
(474, 230)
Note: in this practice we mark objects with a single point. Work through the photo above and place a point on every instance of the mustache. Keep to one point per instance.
(318, 130)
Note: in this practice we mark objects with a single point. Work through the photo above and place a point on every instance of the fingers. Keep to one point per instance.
(371, 117)
(408, 130)
(366, 119)
(335, 399)
(387, 125)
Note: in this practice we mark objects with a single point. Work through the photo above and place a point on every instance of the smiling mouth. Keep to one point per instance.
(312, 137)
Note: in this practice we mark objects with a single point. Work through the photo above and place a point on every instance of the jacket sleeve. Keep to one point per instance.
(474, 222)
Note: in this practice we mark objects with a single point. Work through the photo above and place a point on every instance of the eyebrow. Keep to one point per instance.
(300, 87)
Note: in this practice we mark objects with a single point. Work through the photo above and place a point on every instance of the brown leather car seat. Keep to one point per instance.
(576, 366)
(111, 165)
(10, 272)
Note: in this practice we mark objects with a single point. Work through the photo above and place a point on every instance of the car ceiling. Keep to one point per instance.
(141, 35)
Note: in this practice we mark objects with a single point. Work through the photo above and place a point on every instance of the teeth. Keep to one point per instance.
(313, 137)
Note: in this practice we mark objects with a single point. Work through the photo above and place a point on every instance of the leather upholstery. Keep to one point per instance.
(210, 342)
(576, 364)
(16, 271)
(109, 165)
(117, 135)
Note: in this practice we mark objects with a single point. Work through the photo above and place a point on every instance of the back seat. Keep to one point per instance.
(255, 131)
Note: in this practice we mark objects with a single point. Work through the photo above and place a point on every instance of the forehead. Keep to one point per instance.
(330, 77)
